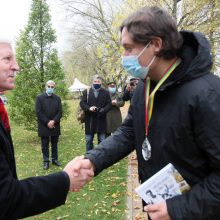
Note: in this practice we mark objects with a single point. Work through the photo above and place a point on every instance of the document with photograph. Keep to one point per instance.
(165, 184)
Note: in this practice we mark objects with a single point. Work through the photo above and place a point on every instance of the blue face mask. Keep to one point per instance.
(132, 66)
(96, 86)
(50, 91)
(112, 90)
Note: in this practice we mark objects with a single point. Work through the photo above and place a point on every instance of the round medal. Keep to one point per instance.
(146, 149)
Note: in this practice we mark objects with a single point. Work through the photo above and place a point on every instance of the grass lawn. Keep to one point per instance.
(103, 198)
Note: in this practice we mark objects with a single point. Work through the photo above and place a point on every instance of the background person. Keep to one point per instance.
(129, 89)
(95, 106)
(176, 108)
(34, 195)
(49, 113)
(114, 118)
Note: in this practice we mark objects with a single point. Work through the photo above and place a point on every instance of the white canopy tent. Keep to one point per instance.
(77, 86)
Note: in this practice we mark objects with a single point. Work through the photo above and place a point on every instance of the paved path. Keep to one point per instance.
(134, 204)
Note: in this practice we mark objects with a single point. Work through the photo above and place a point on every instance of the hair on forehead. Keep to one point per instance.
(95, 77)
(50, 82)
(111, 83)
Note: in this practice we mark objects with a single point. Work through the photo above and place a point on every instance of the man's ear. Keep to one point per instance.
(157, 43)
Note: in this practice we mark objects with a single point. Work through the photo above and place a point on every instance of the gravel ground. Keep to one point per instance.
(134, 204)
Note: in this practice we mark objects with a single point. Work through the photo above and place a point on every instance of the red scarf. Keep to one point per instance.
(4, 116)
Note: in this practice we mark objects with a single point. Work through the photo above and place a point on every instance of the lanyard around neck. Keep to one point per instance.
(150, 97)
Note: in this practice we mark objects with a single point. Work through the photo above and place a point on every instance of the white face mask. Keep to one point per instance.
(112, 90)
(132, 66)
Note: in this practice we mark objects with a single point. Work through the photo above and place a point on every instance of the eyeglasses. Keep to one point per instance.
(50, 87)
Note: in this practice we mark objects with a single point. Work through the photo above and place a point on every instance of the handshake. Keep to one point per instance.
(80, 172)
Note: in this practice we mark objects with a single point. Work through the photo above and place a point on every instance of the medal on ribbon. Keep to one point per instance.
(146, 149)
(149, 102)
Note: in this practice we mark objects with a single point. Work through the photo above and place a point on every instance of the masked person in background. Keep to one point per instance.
(95, 104)
(129, 89)
(49, 113)
(114, 118)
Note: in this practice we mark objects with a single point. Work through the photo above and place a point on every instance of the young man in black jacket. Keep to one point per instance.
(34, 195)
(174, 116)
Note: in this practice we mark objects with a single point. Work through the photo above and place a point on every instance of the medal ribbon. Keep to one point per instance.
(150, 97)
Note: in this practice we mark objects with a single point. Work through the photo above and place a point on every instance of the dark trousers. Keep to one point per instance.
(45, 147)
(89, 140)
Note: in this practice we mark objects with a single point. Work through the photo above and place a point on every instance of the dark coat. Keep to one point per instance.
(48, 108)
(114, 118)
(31, 196)
(127, 95)
(184, 131)
(95, 122)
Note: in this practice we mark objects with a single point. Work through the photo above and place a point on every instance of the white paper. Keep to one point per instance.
(165, 184)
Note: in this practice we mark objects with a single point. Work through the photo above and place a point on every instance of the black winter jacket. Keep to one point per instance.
(30, 196)
(184, 130)
(48, 108)
(95, 122)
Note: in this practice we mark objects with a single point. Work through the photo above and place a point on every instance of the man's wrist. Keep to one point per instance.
(93, 165)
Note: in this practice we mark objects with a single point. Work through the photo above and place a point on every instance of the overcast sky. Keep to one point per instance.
(14, 16)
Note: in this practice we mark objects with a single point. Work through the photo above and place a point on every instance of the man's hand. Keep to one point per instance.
(80, 172)
(51, 124)
(93, 108)
(157, 211)
(114, 102)
(128, 87)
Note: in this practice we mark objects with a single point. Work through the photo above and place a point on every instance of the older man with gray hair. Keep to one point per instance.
(49, 113)
(32, 195)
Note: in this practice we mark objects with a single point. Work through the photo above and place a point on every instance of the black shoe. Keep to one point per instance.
(46, 165)
(56, 162)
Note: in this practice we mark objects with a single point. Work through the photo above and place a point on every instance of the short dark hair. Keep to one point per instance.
(149, 22)
(111, 82)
